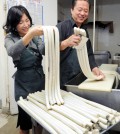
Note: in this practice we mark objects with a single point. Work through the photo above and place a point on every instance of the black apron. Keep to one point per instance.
(29, 77)
(69, 67)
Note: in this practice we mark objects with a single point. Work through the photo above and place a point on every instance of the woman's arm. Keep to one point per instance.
(34, 31)
(15, 45)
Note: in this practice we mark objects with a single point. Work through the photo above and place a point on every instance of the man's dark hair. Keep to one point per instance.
(74, 3)
(14, 16)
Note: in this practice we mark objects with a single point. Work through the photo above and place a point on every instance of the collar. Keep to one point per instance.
(74, 24)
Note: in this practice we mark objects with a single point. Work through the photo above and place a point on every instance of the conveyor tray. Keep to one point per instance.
(111, 127)
(110, 99)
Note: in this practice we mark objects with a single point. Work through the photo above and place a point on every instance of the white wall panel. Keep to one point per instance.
(50, 12)
(11, 71)
(3, 61)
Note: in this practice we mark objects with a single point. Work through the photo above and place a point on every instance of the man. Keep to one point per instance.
(69, 65)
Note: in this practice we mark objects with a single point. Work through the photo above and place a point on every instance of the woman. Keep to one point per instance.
(24, 45)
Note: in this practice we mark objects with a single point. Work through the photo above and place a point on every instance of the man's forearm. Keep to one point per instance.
(63, 45)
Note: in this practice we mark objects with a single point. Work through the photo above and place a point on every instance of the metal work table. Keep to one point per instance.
(110, 99)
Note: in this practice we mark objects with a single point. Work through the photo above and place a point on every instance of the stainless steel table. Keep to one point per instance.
(110, 99)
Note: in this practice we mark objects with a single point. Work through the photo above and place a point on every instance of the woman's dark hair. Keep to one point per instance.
(13, 18)
(74, 3)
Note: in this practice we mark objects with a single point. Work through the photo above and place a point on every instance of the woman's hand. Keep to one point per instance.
(36, 31)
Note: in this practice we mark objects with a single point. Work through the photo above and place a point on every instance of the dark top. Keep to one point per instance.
(68, 57)
(29, 76)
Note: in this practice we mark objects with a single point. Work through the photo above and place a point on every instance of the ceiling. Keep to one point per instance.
(67, 3)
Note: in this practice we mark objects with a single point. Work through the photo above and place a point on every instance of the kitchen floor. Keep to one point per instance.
(10, 126)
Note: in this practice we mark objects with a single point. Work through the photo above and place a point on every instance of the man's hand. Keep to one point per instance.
(73, 40)
(98, 72)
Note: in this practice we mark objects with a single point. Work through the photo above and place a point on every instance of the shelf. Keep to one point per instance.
(103, 25)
